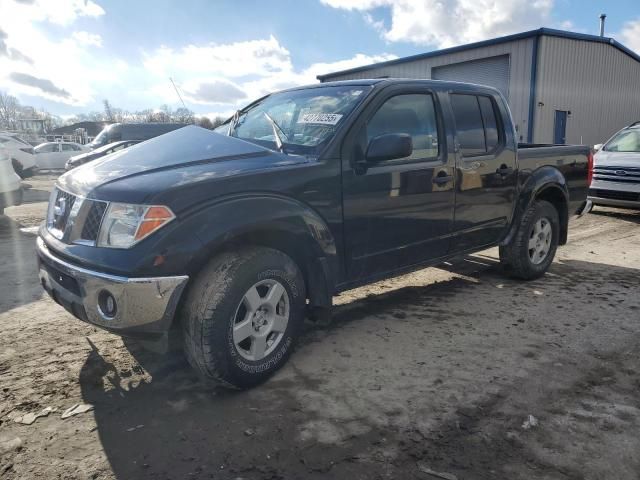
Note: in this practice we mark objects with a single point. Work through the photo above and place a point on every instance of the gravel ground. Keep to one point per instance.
(437, 371)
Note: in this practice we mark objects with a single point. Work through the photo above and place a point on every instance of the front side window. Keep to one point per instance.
(413, 114)
(625, 141)
(305, 120)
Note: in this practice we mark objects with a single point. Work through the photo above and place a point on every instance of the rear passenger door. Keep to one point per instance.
(397, 212)
(485, 170)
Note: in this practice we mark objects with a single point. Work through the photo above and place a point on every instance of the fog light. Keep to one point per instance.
(107, 304)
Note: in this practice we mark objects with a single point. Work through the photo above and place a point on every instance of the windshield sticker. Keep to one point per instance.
(320, 118)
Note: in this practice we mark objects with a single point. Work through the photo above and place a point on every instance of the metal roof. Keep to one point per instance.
(494, 41)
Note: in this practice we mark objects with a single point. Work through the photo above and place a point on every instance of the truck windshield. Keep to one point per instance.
(625, 141)
(306, 119)
(101, 139)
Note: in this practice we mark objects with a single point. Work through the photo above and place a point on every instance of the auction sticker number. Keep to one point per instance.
(320, 118)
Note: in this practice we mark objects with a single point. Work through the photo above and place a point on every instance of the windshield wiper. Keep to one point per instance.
(233, 123)
(276, 128)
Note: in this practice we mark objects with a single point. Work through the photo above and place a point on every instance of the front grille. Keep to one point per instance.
(617, 174)
(59, 212)
(615, 195)
(91, 226)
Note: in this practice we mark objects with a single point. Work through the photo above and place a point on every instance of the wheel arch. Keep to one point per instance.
(546, 183)
(272, 221)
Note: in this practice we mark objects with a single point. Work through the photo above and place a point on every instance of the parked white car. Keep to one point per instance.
(54, 155)
(10, 187)
(616, 170)
(20, 153)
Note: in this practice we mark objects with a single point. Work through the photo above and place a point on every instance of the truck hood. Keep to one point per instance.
(616, 159)
(180, 159)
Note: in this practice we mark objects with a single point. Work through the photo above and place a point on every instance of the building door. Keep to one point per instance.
(560, 128)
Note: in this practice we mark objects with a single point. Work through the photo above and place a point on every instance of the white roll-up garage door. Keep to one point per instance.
(492, 71)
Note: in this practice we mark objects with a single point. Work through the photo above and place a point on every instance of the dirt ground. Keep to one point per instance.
(436, 371)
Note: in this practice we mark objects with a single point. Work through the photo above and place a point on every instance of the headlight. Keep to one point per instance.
(125, 225)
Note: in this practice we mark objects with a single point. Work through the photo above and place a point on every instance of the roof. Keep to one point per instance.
(550, 32)
(92, 128)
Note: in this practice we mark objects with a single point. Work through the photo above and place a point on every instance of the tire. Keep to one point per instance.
(219, 302)
(521, 261)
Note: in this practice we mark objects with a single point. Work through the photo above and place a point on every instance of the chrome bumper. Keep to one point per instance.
(143, 305)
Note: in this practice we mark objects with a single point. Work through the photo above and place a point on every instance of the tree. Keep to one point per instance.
(108, 111)
(9, 110)
(183, 115)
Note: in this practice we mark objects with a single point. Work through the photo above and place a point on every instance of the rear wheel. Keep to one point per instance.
(243, 315)
(532, 249)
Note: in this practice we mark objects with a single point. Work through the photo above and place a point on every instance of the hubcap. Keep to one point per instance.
(540, 241)
(261, 320)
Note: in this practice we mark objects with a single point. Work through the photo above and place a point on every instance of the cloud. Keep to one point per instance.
(232, 74)
(28, 48)
(11, 53)
(231, 60)
(60, 12)
(42, 84)
(446, 23)
(86, 38)
(217, 91)
(630, 35)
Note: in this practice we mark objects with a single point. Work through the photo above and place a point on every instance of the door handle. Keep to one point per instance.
(442, 179)
(504, 170)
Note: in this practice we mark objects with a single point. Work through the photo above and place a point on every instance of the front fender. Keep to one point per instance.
(272, 220)
(546, 181)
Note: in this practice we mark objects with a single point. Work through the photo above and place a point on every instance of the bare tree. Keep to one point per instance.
(183, 115)
(108, 111)
(9, 110)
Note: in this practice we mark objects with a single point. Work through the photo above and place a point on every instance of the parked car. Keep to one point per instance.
(54, 155)
(616, 174)
(21, 154)
(232, 239)
(10, 186)
(91, 155)
(132, 131)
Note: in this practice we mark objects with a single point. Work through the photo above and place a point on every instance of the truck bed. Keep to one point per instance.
(571, 160)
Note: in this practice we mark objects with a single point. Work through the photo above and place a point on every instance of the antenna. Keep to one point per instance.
(178, 93)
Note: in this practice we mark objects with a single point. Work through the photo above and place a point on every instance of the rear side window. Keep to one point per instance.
(413, 114)
(476, 124)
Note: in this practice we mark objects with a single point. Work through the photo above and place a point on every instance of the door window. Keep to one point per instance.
(476, 124)
(67, 148)
(413, 114)
(52, 147)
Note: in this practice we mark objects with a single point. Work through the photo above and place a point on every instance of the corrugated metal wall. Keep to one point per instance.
(596, 82)
(520, 52)
(494, 71)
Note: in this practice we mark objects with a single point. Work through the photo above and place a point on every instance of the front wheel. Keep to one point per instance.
(532, 249)
(243, 316)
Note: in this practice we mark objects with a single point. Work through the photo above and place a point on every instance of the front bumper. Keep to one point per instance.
(145, 307)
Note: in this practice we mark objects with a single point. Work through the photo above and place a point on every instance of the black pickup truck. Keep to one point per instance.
(231, 238)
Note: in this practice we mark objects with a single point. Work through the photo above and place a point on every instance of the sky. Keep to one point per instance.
(67, 56)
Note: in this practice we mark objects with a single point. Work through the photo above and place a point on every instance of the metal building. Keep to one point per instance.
(562, 87)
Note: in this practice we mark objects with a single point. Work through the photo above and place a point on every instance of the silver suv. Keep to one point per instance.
(616, 173)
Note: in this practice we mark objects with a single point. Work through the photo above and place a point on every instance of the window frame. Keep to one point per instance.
(384, 97)
(495, 151)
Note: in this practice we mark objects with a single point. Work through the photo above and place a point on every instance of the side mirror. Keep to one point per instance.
(389, 146)
(597, 147)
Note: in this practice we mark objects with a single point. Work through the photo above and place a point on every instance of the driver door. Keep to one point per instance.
(397, 212)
